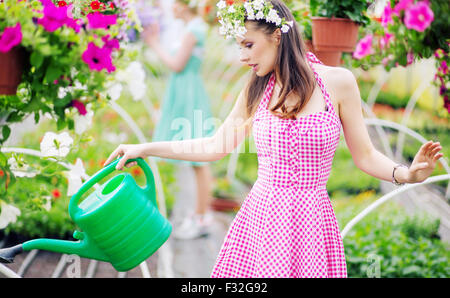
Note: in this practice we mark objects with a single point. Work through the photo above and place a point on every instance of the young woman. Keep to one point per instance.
(185, 104)
(296, 106)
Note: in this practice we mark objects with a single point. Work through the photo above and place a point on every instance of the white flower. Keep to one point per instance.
(240, 31)
(134, 77)
(273, 17)
(135, 72)
(114, 91)
(56, 145)
(260, 15)
(79, 86)
(258, 4)
(21, 171)
(250, 14)
(290, 23)
(222, 4)
(8, 214)
(48, 203)
(137, 90)
(222, 30)
(74, 177)
(285, 28)
(115, 138)
(83, 122)
(62, 92)
(231, 9)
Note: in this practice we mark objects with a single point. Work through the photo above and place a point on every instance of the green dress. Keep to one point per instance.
(186, 111)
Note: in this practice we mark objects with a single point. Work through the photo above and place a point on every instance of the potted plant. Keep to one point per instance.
(409, 30)
(335, 25)
(63, 52)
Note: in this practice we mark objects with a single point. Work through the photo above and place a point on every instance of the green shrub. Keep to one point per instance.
(395, 245)
(346, 177)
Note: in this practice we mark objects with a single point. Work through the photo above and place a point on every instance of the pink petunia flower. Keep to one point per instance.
(443, 68)
(98, 58)
(111, 43)
(402, 5)
(55, 17)
(97, 20)
(419, 16)
(10, 37)
(409, 58)
(386, 16)
(364, 47)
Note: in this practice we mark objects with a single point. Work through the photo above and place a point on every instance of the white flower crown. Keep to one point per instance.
(232, 17)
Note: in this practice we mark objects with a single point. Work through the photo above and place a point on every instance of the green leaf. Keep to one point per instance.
(36, 59)
(6, 131)
(36, 117)
(52, 73)
(3, 160)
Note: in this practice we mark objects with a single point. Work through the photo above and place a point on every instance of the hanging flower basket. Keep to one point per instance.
(12, 64)
(334, 34)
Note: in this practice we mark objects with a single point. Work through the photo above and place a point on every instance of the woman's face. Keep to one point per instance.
(259, 50)
(178, 9)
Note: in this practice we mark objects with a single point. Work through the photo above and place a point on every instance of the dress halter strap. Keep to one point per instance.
(311, 59)
(268, 92)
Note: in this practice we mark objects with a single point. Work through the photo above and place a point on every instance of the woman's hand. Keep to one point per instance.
(127, 152)
(424, 162)
(151, 35)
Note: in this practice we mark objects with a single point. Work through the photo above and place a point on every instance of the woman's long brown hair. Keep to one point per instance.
(291, 65)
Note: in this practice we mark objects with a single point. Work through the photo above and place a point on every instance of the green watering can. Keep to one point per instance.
(119, 222)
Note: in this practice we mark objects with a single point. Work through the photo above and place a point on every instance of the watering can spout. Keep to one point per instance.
(83, 248)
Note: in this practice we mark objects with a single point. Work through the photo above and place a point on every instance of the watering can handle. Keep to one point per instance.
(108, 169)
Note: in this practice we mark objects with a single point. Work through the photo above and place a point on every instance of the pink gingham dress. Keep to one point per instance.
(286, 226)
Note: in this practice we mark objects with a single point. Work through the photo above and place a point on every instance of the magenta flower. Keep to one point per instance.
(364, 47)
(111, 43)
(79, 106)
(402, 5)
(443, 68)
(447, 103)
(409, 58)
(56, 17)
(386, 16)
(419, 16)
(11, 37)
(98, 58)
(97, 20)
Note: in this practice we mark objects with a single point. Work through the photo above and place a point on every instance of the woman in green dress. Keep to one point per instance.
(186, 111)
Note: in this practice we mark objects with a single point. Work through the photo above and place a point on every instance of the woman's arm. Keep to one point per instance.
(178, 62)
(364, 154)
(228, 136)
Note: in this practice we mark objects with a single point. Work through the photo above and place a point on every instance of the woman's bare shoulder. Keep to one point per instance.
(338, 80)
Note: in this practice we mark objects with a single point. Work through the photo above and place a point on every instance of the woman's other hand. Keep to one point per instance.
(151, 35)
(424, 162)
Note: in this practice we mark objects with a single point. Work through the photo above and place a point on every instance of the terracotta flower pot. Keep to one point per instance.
(11, 68)
(334, 34)
(329, 58)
